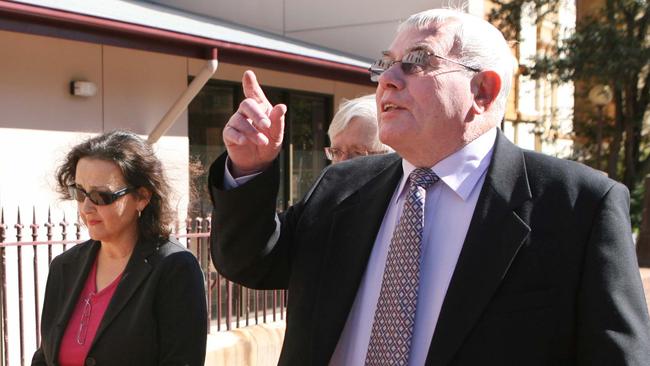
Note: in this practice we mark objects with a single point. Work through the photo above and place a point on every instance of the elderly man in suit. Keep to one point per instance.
(460, 249)
(354, 130)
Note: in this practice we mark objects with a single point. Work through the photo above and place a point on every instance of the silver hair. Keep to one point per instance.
(363, 107)
(476, 42)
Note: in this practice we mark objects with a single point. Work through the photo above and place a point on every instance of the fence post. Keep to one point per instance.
(64, 231)
(198, 222)
(228, 304)
(19, 237)
(219, 307)
(188, 231)
(643, 241)
(49, 225)
(3, 278)
(34, 226)
(77, 226)
(208, 273)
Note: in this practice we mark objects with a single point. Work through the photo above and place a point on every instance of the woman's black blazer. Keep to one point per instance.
(157, 315)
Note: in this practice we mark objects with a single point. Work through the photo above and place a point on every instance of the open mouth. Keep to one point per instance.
(387, 107)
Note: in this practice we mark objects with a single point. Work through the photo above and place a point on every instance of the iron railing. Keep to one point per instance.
(22, 284)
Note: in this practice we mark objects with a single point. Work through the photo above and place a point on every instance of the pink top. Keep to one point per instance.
(85, 319)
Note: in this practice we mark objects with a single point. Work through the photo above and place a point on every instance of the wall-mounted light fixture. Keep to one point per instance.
(83, 88)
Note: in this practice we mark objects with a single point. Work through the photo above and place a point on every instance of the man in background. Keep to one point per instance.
(354, 131)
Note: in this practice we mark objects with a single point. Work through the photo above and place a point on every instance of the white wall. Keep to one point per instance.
(35, 80)
(40, 120)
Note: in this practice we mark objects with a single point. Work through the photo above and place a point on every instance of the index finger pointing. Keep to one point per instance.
(253, 90)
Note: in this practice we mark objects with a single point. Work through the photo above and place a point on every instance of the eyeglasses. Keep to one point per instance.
(333, 153)
(85, 318)
(413, 62)
(97, 197)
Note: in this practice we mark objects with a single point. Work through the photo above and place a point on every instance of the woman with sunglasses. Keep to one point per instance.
(130, 295)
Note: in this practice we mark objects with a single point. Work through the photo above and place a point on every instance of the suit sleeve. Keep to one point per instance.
(182, 312)
(250, 243)
(49, 312)
(613, 323)
(38, 359)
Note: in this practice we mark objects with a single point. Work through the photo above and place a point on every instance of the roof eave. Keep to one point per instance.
(31, 19)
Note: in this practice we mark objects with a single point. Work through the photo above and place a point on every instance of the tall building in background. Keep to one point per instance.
(540, 113)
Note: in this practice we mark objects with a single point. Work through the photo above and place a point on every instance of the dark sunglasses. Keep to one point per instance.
(97, 197)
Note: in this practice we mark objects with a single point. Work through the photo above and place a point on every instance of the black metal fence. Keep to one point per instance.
(23, 269)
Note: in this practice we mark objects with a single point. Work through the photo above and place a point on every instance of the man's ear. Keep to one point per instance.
(485, 86)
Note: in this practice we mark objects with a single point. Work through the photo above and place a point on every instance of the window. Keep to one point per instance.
(301, 158)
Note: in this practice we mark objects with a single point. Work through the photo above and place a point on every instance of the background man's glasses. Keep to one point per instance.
(413, 62)
(97, 197)
(335, 154)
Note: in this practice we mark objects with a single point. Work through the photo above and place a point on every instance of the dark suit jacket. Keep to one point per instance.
(547, 274)
(157, 315)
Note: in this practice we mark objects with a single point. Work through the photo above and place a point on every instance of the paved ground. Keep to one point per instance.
(645, 275)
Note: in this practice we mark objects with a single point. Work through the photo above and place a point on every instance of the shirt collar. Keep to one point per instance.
(461, 170)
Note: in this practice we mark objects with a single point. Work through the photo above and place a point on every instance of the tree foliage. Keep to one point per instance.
(611, 47)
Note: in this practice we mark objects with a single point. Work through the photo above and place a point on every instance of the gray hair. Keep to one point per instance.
(363, 107)
(477, 43)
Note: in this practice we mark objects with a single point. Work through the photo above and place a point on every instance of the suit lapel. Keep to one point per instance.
(494, 237)
(73, 278)
(137, 269)
(354, 228)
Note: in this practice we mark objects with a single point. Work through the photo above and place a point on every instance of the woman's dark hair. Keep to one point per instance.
(140, 168)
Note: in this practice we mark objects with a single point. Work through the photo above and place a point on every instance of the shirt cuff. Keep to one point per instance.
(229, 182)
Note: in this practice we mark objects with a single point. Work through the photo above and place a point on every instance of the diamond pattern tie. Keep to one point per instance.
(392, 329)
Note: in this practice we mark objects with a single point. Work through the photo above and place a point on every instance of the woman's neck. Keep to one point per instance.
(119, 248)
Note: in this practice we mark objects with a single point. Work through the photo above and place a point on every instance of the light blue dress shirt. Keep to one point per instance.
(449, 208)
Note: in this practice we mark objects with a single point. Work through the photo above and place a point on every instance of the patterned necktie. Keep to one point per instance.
(392, 329)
